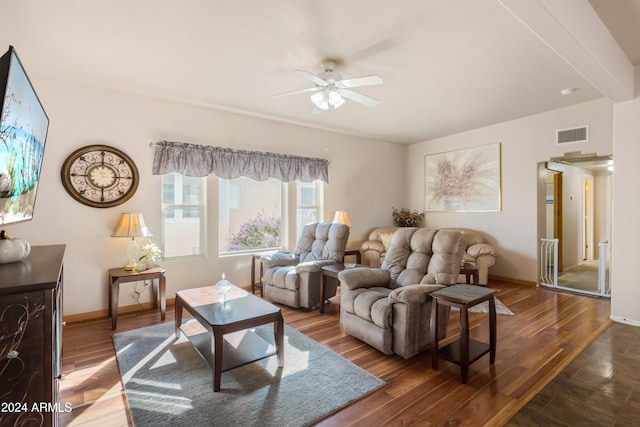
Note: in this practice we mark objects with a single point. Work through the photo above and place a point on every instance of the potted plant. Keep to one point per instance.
(406, 218)
(149, 254)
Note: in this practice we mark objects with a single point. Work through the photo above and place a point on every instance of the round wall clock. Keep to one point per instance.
(99, 176)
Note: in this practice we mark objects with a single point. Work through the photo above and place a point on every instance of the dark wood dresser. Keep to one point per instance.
(31, 338)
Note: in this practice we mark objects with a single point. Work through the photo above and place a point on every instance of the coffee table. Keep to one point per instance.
(221, 334)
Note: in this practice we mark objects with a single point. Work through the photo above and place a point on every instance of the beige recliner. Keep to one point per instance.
(293, 279)
(479, 254)
(389, 308)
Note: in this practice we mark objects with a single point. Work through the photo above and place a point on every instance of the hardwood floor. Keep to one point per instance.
(548, 331)
(600, 387)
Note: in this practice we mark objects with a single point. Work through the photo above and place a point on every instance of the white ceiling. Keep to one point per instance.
(448, 65)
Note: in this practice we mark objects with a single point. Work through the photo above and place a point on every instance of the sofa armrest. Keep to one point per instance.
(372, 245)
(363, 277)
(413, 294)
(313, 266)
(279, 259)
(481, 249)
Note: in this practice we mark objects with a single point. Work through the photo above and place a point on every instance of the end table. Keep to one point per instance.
(120, 275)
(331, 270)
(464, 351)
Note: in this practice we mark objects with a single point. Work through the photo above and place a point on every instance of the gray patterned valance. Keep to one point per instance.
(202, 160)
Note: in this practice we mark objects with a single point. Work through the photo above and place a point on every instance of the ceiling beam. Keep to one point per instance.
(575, 32)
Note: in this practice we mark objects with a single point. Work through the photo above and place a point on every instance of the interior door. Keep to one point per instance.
(557, 215)
(588, 218)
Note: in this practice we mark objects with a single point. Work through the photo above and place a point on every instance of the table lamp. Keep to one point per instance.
(132, 225)
(342, 217)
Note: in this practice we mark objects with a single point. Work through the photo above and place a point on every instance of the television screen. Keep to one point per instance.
(23, 132)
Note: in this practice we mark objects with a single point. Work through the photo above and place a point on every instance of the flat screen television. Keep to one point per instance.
(23, 133)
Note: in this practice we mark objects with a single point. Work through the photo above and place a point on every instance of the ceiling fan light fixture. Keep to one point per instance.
(335, 99)
(331, 91)
(320, 100)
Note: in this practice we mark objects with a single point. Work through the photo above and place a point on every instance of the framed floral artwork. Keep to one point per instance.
(467, 180)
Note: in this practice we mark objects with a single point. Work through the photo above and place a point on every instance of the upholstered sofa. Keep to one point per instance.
(478, 255)
(293, 278)
(389, 308)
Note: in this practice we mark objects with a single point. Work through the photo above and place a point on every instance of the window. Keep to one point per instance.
(250, 215)
(183, 216)
(309, 203)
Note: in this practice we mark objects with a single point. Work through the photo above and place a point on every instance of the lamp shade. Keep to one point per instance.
(131, 225)
(342, 217)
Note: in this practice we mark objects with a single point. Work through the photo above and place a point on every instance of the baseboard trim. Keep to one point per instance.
(512, 280)
(625, 320)
(99, 314)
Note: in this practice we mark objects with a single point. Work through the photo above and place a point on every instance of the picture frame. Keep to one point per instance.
(466, 180)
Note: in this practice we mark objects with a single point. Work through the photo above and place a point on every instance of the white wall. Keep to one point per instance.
(625, 300)
(525, 142)
(81, 116)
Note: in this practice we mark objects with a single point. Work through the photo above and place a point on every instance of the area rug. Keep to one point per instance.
(483, 307)
(167, 382)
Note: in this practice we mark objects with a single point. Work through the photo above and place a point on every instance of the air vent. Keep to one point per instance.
(570, 136)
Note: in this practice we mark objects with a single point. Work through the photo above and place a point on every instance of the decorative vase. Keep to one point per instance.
(223, 287)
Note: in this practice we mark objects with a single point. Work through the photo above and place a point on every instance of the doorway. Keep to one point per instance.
(577, 221)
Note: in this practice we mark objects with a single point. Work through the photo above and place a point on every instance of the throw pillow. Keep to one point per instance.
(385, 238)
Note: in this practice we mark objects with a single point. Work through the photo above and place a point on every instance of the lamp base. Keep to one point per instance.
(133, 252)
(131, 267)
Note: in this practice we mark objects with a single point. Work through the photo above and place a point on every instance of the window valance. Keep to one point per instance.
(202, 160)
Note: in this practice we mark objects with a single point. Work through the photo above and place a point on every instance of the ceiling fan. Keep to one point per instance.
(331, 90)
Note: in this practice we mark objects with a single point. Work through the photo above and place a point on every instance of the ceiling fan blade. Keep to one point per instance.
(311, 89)
(359, 98)
(362, 81)
(317, 80)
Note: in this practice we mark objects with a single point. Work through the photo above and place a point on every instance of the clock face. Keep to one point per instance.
(100, 176)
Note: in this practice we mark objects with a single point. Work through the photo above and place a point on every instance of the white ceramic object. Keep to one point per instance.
(12, 250)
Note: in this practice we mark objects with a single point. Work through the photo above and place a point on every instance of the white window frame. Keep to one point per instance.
(284, 221)
(202, 207)
(319, 204)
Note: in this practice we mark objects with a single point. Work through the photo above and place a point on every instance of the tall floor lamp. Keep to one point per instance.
(132, 225)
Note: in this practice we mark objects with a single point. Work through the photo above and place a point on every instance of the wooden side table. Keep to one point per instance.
(469, 274)
(356, 253)
(255, 257)
(464, 351)
(331, 270)
(120, 275)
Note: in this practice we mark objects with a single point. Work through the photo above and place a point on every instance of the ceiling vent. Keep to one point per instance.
(570, 136)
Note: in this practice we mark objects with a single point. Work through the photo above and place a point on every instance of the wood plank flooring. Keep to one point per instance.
(601, 387)
(548, 331)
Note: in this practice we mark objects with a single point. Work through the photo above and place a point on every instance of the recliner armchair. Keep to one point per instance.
(390, 308)
(293, 279)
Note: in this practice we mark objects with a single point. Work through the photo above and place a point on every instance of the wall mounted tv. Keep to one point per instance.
(23, 133)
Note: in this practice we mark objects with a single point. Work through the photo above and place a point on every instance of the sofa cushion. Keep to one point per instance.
(284, 278)
(325, 241)
(385, 239)
(424, 255)
(371, 304)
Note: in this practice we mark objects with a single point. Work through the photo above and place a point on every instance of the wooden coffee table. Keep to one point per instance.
(221, 332)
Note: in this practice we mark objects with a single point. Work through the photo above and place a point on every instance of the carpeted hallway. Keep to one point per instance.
(581, 277)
